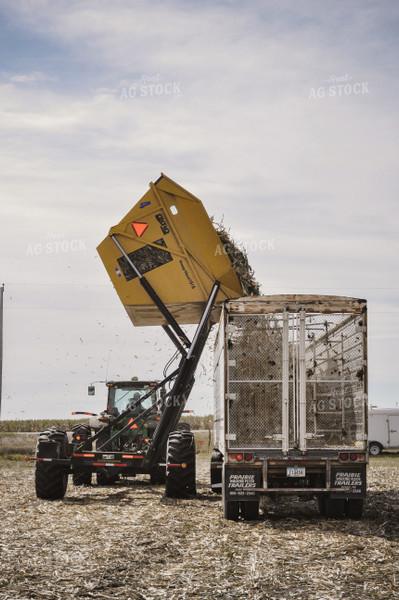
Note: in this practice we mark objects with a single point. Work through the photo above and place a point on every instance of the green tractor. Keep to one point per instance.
(114, 443)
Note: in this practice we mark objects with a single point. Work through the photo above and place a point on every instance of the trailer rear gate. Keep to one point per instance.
(295, 380)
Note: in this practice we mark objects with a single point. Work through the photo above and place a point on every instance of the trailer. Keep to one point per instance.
(383, 429)
(290, 384)
(166, 266)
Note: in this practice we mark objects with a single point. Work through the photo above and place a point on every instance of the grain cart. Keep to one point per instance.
(165, 263)
(291, 403)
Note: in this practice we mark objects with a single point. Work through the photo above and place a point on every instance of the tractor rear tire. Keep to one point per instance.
(180, 470)
(51, 480)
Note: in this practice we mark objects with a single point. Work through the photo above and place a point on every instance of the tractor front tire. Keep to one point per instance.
(180, 469)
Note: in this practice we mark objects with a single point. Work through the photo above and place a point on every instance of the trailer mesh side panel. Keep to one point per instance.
(335, 374)
(334, 368)
(254, 385)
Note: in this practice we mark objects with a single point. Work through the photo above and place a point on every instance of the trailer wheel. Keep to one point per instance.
(180, 470)
(104, 478)
(354, 508)
(321, 504)
(375, 448)
(334, 507)
(51, 480)
(250, 510)
(81, 478)
(231, 510)
(216, 471)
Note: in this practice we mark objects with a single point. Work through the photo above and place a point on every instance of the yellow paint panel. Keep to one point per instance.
(171, 240)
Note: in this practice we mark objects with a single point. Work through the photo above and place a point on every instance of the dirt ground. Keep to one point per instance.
(129, 542)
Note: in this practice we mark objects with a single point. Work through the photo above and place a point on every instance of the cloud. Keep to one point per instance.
(34, 77)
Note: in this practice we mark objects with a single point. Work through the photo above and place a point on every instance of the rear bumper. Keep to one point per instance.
(272, 477)
(92, 461)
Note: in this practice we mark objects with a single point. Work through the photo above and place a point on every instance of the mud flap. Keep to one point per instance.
(352, 480)
(239, 483)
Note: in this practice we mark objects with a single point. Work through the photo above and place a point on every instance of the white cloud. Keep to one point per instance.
(34, 77)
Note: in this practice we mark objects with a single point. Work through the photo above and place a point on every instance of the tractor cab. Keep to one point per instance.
(127, 394)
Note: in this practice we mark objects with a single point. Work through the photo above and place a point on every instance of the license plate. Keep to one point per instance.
(296, 472)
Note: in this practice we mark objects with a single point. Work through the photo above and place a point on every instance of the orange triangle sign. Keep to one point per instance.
(139, 228)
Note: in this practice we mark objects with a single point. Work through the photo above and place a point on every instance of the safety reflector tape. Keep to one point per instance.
(132, 456)
(86, 455)
(109, 465)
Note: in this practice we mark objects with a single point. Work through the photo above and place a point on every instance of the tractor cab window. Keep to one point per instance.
(120, 398)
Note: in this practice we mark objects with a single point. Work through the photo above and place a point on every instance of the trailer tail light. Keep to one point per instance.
(353, 457)
(247, 457)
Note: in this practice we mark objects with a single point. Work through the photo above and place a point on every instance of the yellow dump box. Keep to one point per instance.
(170, 240)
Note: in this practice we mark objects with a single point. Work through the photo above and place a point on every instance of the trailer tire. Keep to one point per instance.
(231, 510)
(250, 510)
(334, 507)
(104, 478)
(216, 471)
(81, 478)
(321, 504)
(375, 448)
(51, 481)
(354, 508)
(180, 480)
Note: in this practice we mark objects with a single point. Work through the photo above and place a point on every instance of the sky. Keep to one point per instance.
(280, 116)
